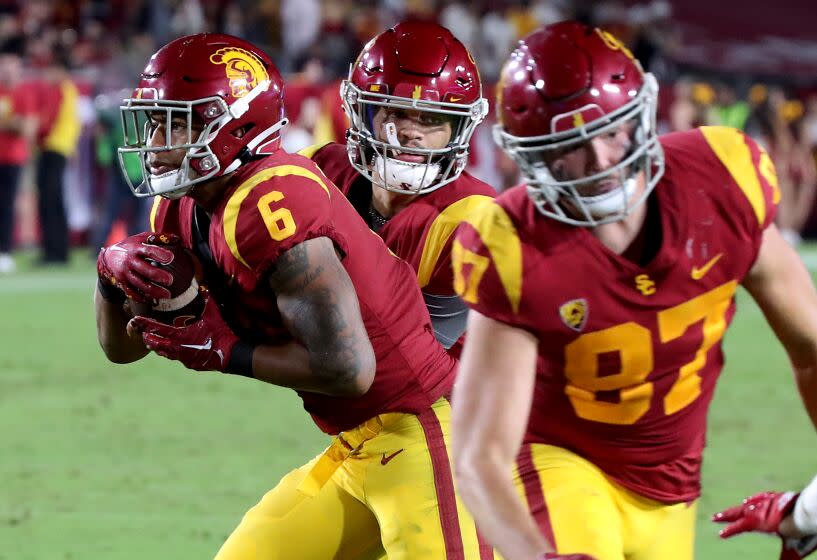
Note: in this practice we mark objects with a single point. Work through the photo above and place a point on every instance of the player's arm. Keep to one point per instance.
(120, 346)
(123, 271)
(791, 516)
(782, 287)
(319, 306)
(803, 520)
(332, 353)
(498, 367)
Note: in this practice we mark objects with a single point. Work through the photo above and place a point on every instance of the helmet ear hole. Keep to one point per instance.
(228, 93)
(240, 131)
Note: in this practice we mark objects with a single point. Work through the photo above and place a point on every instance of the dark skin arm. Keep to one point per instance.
(120, 345)
(331, 353)
(319, 307)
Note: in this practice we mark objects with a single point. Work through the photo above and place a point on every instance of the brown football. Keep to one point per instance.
(186, 301)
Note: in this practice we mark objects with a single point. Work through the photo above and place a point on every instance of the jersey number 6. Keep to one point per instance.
(279, 222)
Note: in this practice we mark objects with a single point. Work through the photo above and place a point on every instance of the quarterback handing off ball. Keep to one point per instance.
(185, 304)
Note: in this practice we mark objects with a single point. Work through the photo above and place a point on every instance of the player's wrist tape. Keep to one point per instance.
(241, 359)
(805, 510)
(110, 293)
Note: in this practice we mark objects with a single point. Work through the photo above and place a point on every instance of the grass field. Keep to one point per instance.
(99, 461)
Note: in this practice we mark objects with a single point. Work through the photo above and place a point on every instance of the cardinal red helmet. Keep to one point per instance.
(219, 82)
(563, 86)
(421, 67)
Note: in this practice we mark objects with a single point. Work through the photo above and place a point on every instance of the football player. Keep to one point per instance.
(414, 98)
(790, 515)
(292, 300)
(600, 291)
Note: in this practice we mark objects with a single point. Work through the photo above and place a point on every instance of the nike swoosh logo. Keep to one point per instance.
(385, 460)
(206, 346)
(698, 273)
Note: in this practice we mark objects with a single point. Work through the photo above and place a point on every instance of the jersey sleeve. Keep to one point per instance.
(333, 161)
(434, 269)
(276, 209)
(755, 190)
(486, 255)
(311, 151)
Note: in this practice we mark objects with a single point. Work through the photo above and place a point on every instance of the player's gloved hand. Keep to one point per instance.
(208, 344)
(125, 267)
(760, 513)
(795, 549)
(554, 556)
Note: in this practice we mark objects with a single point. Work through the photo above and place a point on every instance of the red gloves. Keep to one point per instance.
(762, 513)
(205, 345)
(126, 266)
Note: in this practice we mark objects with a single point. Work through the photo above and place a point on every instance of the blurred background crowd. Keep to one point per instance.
(67, 64)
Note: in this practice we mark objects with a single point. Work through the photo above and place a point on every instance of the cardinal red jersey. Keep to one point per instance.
(422, 232)
(628, 354)
(16, 101)
(275, 203)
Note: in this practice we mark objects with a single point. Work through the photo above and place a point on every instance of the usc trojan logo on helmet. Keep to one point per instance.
(574, 313)
(244, 69)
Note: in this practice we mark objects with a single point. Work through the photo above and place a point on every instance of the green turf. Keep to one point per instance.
(146, 460)
(149, 460)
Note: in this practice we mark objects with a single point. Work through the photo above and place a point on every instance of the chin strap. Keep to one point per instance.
(401, 176)
(164, 184)
(612, 202)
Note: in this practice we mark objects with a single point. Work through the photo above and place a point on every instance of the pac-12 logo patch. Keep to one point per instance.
(244, 69)
(574, 313)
